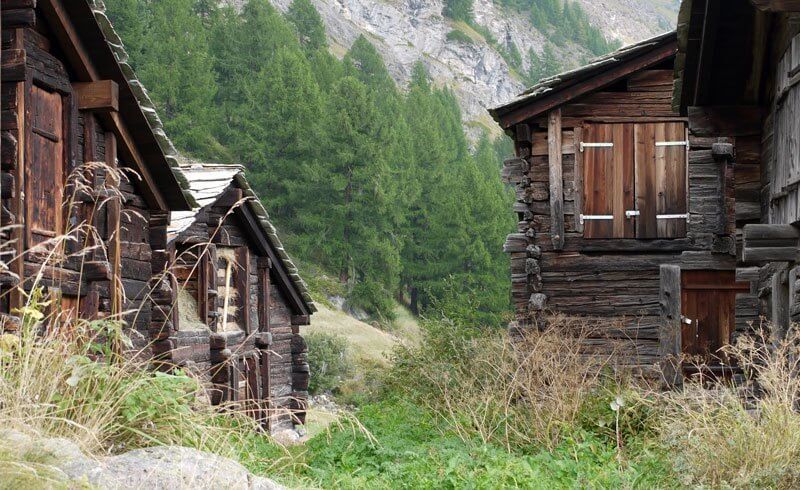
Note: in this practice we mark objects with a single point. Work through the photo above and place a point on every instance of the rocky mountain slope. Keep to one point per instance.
(407, 31)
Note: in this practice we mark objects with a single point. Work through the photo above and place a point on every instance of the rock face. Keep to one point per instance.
(166, 467)
(407, 31)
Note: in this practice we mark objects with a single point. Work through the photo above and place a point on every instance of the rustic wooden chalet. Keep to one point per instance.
(737, 81)
(84, 156)
(240, 302)
(628, 217)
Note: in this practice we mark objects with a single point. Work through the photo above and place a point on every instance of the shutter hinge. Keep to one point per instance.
(596, 217)
(673, 216)
(672, 143)
(595, 145)
(631, 213)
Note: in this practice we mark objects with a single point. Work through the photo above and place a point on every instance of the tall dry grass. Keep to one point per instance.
(61, 376)
(516, 393)
(740, 436)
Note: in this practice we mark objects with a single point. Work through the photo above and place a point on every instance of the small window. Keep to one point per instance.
(233, 303)
(635, 180)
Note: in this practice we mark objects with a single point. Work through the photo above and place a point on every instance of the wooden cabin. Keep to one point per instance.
(84, 156)
(628, 218)
(90, 185)
(240, 302)
(737, 81)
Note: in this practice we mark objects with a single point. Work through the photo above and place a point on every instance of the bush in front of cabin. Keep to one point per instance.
(535, 391)
(329, 361)
(67, 382)
(728, 436)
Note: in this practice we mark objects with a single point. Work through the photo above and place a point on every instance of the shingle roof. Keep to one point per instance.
(549, 85)
(207, 182)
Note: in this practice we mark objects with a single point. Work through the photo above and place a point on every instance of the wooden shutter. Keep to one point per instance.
(608, 180)
(44, 175)
(660, 155)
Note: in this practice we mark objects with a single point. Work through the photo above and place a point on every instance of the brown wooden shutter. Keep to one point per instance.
(608, 180)
(660, 155)
(44, 175)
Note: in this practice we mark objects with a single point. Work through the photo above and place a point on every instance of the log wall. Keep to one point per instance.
(281, 353)
(614, 283)
(96, 274)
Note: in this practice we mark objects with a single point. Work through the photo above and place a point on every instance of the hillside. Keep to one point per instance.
(407, 31)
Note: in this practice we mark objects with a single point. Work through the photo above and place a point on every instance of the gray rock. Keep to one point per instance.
(164, 467)
(408, 31)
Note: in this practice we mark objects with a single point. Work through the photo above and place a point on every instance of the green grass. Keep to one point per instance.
(412, 451)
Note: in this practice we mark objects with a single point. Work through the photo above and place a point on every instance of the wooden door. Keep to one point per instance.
(44, 173)
(708, 305)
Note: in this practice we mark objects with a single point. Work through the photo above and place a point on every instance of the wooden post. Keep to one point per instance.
(780, 306)
(113, 227)
(556, 179)
(670, 331)
(578, 198)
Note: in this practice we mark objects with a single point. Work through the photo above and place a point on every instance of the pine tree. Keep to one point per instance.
(171, 34)
(458, 10)
(308, 25)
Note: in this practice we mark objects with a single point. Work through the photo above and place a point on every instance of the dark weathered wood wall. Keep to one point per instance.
(616, 280)
(282, 352)
(33, 64)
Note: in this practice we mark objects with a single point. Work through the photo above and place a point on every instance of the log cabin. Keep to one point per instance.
(628, 217)
(90, 184)
(736, 79)
(240, 302)
(88, 176)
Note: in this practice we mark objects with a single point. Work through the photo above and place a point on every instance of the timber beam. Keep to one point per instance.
(771, 243)
(777, 5)
(102, 95)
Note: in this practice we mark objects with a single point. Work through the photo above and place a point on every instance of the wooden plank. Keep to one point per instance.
(729, 121)
(651, 80)
(622, 191)
(102, 95)
(671, 184)
(559, 97)
(541, 147)
(598, 175)
(777, 5)
(14, 65)
(556, 179)
(670, 331)
(646, 190)
(779, 302)
(23, 17)
(578, 176)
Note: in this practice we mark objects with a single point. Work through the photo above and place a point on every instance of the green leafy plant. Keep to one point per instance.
(329, 361)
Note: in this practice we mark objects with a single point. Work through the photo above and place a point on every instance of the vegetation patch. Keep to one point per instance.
(459, 36)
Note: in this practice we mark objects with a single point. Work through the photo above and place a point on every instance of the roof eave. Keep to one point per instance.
(551, 93)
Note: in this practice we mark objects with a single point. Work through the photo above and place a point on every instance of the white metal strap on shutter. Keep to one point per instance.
(673, 216)
(596, 217)
(631, 213)
(596, 145)
(672, 143)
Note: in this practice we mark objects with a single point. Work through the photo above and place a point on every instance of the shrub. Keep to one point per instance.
(459, 36)
(329, 361)
(514, 393)
(69, 383)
